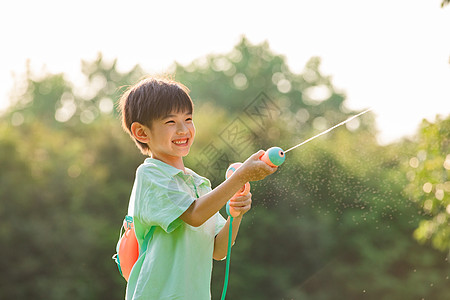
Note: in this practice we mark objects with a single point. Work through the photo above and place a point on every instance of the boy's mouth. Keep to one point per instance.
(181, 142)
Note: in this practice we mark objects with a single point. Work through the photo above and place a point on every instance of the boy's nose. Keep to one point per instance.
(182, 129)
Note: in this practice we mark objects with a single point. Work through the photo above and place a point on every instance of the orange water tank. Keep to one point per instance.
(128, 250)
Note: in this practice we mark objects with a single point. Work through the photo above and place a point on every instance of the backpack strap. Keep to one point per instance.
(147, 238)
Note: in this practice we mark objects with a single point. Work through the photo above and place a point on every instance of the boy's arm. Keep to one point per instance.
(221, 240)
(241, 204)
(206, 206)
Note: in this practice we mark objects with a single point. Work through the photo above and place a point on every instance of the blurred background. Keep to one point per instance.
(362, 212)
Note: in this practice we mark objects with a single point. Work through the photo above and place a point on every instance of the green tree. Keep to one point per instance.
(64, 187)
(54, 100)
(429, 186)
(38, 97)
(227, 80)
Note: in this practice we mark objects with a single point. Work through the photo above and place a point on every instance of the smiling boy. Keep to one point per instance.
(176, 261)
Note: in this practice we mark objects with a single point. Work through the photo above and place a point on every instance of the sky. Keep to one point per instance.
(389, 55)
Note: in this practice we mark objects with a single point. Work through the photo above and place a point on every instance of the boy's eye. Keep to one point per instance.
(189, 119)
(170, 121)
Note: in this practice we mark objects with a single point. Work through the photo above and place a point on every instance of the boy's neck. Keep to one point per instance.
(176, 162)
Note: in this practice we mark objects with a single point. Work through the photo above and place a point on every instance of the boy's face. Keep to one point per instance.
(171, 137)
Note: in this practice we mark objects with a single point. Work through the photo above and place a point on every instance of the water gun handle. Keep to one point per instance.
(243, 191)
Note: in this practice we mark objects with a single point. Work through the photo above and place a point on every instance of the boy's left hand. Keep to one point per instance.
(242, 203)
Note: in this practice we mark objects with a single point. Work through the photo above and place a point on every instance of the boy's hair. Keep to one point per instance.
(151, 99)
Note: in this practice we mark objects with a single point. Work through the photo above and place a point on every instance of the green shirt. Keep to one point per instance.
(178, 261)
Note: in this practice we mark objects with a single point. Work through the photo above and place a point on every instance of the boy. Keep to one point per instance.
(176, 261)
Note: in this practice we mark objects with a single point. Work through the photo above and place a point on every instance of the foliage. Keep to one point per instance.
(58, 186)
(54, 100)
(429, 187)
(334, 220)
(249, 69)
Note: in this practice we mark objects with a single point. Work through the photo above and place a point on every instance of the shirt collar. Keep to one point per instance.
(172, 171)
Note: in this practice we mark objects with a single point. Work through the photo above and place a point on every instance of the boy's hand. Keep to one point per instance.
(241, 204)
(254, 169)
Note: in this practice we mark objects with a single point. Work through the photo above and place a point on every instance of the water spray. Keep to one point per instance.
(274, 157)
(328, 130)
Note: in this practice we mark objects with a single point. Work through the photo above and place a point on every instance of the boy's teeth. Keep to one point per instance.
(180, 142)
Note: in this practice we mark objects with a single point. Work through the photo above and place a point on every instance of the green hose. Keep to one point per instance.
(227, 269)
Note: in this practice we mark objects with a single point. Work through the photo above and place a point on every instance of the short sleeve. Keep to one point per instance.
(220, 223)
(160, 199)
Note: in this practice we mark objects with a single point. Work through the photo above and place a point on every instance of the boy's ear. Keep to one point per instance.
(140, 132)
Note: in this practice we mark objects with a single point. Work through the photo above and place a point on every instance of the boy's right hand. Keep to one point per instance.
(254, 169)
